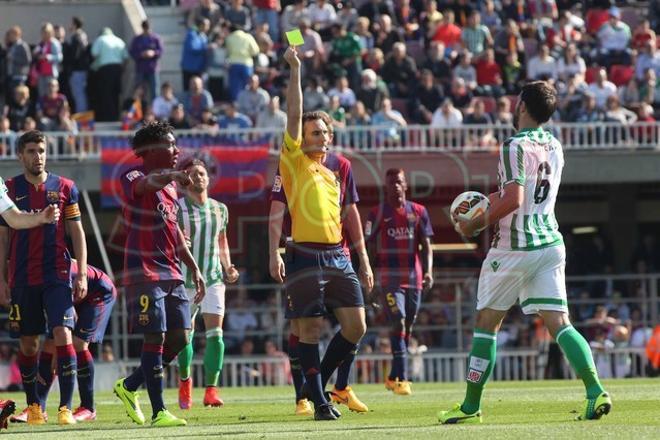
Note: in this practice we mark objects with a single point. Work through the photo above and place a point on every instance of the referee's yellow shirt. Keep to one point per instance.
(313, 196)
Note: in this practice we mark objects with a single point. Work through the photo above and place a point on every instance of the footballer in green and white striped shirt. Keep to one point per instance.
(203, 221)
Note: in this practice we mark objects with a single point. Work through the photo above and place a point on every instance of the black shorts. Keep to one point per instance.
(319, 278)
(157, 306)
(35, 310)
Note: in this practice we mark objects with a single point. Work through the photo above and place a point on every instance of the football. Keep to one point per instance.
(468, 205)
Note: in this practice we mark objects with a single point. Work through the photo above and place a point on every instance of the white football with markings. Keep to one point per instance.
(468, 205)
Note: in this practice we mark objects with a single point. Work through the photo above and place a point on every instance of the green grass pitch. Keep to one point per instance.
(511, 410)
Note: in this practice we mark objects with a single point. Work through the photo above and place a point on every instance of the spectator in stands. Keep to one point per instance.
(109, 52)
(240, 320)
(337, 113)
(208, 123)
(359, 115)
(312, 52)
(293, 14)
(194, 53)
(460, 94)
(571, 64)
(217, 67)
(162, 106)
(19, 108)
(252, 99)
(272, 116)
(178, 119)
(267, 11)
(47, 57)
(386, 34)
(475, 36)
(207, 9)
(237, 14)
(646, 134)
(643, 34)
(513, 74)
(146, 49)
(592, 115)
(489, 75)
(314, 97)
(466, 71)
(346, 53)
(447, 32)
(561, 34)
(515, 10)
(372, 91)
(648, 58)
(134, 109)
(614, 40)
(348, 15)
(7, 136)
(19, 59)
(232, 120)
(28, 125)
(241, 49)
(392, 120)
(49, 106)
(489, 15)
(542, 66)
(502, 115)
(427, 97)
(196, 100)
(364, 35)
(616, 113)
(400, 72)
(407, 17)
(602, 88)
(438, 64)
(322, 14)
(508, 40)
(374, 9)
(648, 88)
(375, 60)
(430, 18)
(343, 91)
(79, 61)
(571, 97)
(629, 95)
(478, 116)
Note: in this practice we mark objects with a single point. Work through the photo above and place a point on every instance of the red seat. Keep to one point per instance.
(401, 105)
(595, 18)
(489, 103)
(513, 100)
(591, 73)
(621, 75)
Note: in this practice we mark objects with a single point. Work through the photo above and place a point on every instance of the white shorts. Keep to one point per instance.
(535, 278)
(213, 302)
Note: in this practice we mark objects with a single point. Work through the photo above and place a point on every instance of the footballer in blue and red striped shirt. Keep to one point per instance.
(158, 305)
(39, 269)
(395, 230)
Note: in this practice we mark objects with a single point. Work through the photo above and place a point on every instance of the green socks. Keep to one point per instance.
(184, 359)
(213, 356)
(480, 364)
(577, 351)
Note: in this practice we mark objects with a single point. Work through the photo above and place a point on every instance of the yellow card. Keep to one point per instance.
(295, 37)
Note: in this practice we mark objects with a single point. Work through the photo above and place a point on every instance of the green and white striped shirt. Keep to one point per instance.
(534, 159)
(5, 202)
(202, 225)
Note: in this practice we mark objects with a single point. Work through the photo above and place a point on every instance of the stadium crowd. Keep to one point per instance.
(366, 62)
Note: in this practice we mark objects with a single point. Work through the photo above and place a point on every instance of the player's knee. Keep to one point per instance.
(355, 331)
(79, 344)
(398, 326)
(29, 345)
(154, 338)
(310, 331)
(62, 335)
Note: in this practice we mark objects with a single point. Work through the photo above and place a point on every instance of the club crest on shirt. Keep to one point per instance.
(143, 319)
(53, 196)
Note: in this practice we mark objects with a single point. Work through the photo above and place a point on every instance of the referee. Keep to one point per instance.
(319, 274)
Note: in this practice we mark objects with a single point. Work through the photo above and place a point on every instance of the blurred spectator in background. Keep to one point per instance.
(447, 32)
(109, 52)
(571, 64)
(343, 92)
(77, 57)
(430, 18)
(602, 89)
(374, 9)
(489, 75)
(178, 119)
(292, 16)
(107, 355)
(312, 52)
(508, 40)
(447, 115)
(348, 15)
(241, 49)
(217, 67)
(571, 97)
(614, 40)
(314, 97)
(649, 58)
(207, 9)
(489, 15)
(385, 34)
(460, 94)
(18, 107)
(337, 112)
(134, 108)
(439, 66)
(146, 49)
(208, 123)
(237, 14)
(392, 120)
(346, 53)
(232, 120)
(272, 116)
(475, 36)
(375, 60)
(7, 136)
(162, 106)
(194, 54)
(322, 14)
(513, 74)
(267, 11)
(542, 66)
(196, 100)
(359, 115)
(18, 60)
(427, 97)
(616, 113)
(50, 105)
(503, 115)
(252, 99)
(47, 55)
(643, 34)
(400, 72)
(465, 70)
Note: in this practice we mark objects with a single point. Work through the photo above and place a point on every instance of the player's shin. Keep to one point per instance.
(296, 369)
(45, 379)
(480, 364)
(86, 379)
(184, 359)
(311, 366)
(67, 365)
(344, 370)
(152, 368)
(338, 349)
(213, 356)
(399, 358)
(28, 368)
(578, 353)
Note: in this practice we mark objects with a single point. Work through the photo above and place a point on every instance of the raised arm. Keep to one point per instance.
(293, 95)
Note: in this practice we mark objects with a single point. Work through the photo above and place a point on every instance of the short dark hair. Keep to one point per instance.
(194, 162)
(313, 116)
(540, 99)
(145, 25)
(151, 133)
(394, 172)
(32, 136)
(78, 22)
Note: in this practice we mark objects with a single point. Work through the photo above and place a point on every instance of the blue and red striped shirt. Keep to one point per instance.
(398, 234)
(152, 239)
(100, 287)
(39, 255)
(341, 167)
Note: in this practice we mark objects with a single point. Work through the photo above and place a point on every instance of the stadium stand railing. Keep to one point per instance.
(413, 138)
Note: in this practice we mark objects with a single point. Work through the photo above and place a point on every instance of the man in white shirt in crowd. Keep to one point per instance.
(602, 89)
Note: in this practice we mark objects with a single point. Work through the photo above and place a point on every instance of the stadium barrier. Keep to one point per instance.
(87, 145)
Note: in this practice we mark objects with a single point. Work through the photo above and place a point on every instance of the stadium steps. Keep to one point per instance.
(169, 23)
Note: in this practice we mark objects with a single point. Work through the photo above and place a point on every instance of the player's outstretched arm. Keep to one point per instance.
(512, 196)
(158, 180)
(354, 227)
(5, 297)
(275, 220)
(23, 220)
(293, 95)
